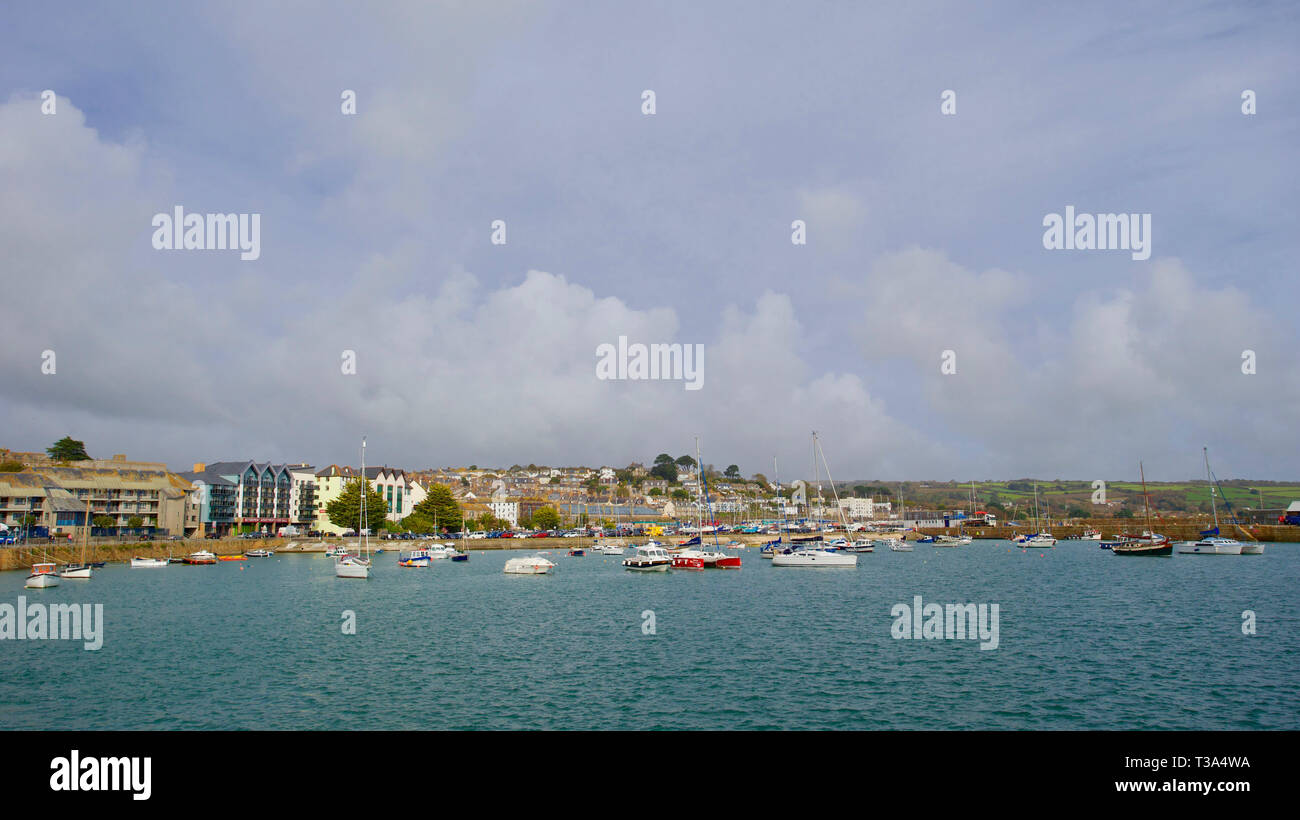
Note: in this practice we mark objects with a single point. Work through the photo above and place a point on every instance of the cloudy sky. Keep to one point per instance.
(924, 233)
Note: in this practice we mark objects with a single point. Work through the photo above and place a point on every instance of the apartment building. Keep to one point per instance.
(60, 497)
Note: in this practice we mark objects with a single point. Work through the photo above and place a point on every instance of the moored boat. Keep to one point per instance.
(43, 575)
(808, 557)
(200, 557)
(529, 565)
(148, 563)
(1211, 545)
(648, 558)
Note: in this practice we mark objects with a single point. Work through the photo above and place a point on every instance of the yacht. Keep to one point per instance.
(1211, 545)
(148, 563)
(1039, 539)
(1145, 544)
(348, 565)
(649, 557)
(806, 557)
(1211, 542)
(43, 575)
(529, 565)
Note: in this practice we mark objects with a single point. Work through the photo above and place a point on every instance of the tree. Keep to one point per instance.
(680, 495)
(664, 468)
(104, 522)
(11, 466)
(440, 506)
(135, 522)
(685, 461)
(546, 518)
(732, 471)
(68, 449)
(345, 511)
(656, 491)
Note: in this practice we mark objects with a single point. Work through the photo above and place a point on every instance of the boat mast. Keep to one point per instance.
(365, 489)
(834, 492)
(1146, 506)
(1210, 482)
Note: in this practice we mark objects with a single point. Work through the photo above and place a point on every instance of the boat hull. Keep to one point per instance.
(811, 558)
(1202, 548)
(43, 580)
(1253, 548)
(81, 572)
(149, 563)
(351, 568)
(649, 566)
(1143, 549)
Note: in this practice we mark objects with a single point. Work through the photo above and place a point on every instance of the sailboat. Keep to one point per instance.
(358, 566)
(82, 570)
(807, 556)
(1148, 543)
(691, 557)
(1038, 539)
(1211, 542)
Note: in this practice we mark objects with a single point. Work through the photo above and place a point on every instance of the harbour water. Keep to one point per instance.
(1087, 640)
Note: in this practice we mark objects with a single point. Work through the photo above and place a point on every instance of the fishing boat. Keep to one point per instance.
(259, 553)
(899, 545)
(577, 552)
(43, 575)
(947, 541)
(200, 557)
(82, 570)
(927, 539)
(358, 566)
(1211, 542)
(610, 549)
(1090, 535)
(648, 558)
(1148, 543)
(148, 563)
(861, 545)
(415, 559)
(529, 565)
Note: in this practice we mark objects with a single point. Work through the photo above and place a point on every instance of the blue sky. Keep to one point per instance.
(924, 233)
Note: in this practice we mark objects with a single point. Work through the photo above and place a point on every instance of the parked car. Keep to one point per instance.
(478, 534)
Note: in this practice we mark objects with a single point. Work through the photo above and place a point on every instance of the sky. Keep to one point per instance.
(923, 329)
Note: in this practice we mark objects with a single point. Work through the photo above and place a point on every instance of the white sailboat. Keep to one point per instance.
(1038, 539)
(807, 556)
(1211, 543)
(82, 570)
(358, 566)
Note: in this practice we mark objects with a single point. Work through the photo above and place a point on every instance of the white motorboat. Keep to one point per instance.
(894, 544)
(814, 558)
(529, 565)
(861, 545)
(80, 571)
(610, 549)
(259, 553)
(1212, 545)
(1090, 535)
(1252, 548)
(43, 576)
(649, 557)
(201, 557)
(947, 541)
(148, 563)
(1038, 539)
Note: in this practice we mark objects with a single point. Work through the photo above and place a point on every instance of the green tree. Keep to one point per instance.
(104, 521)
(135, 522)
(732, 471)
(665, 468)
(656, 491)
(345, 511)
(685, 461)
(546, 518)
(68, 449)
(440, 506)
(680, 495)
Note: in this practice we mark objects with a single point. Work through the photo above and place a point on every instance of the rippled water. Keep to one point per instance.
(1087, 640)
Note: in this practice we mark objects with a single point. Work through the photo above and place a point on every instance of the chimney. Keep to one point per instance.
(199, 466)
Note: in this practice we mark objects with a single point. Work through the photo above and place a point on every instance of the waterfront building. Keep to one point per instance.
(55, 497)
(243, 496)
